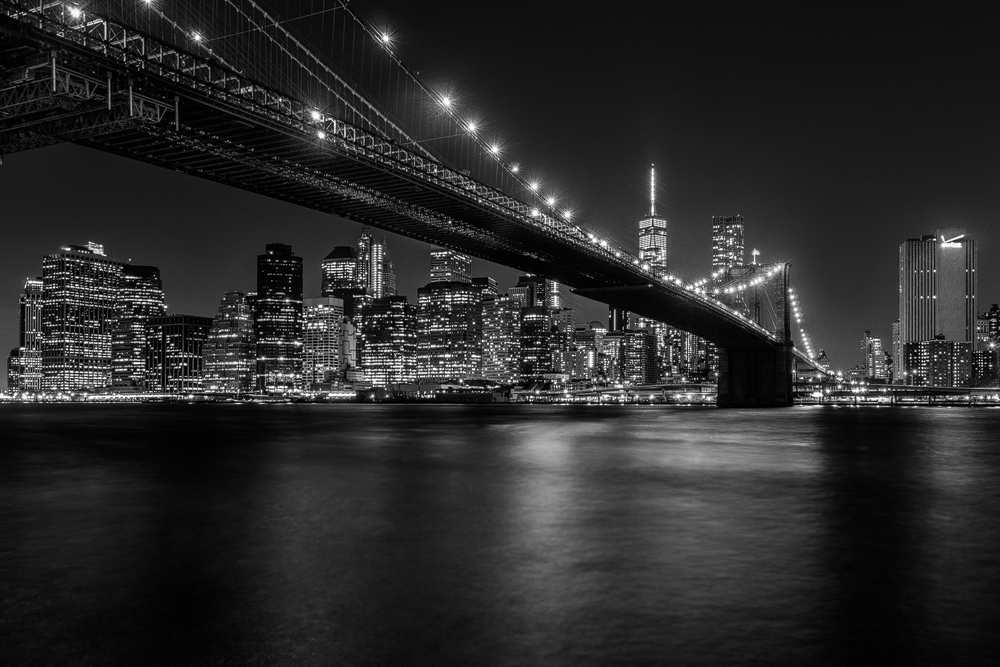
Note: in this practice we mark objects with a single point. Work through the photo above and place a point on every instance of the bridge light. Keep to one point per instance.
(551, 201)
(385, 38)
(446, 101)
(568, 214)
(494, 149)
(514, 168)
(196, 36)
(75, 12)
(471, 126)
(321, 134)
(534, 213)
(315, 114)
(534, 186)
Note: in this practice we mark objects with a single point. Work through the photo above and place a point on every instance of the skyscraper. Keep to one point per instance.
(639, 357)
(30, 337)
(653, 232)
(387, 341)
(375, 273)
(450, 266)
(727, 242)
(502, 339)
(339, 269)
(323, 321)
(230, 351)
(278, 320)
(938, 285)
(536, 342)
(79, 292)
(872, 357)
(175, 352)
(449, 331)
(140, 297)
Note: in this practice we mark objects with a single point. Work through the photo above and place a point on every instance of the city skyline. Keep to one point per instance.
(837, 216)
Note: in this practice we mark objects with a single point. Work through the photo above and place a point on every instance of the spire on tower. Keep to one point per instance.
(652, 190)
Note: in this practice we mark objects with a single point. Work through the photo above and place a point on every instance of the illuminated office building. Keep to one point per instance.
(653, 232)
(230, 352)
(563, 340)
(988, 326)
(339, 270)
(79, 292)
(175, 353)
(536, 342)
(502, 339)
(278, 320)
(323, 321)
(15, 369)
(639, 357)
(530, 291)
(140, 296)
(727, 242)
(29, 340)
(937, 302)
(873, 358)
(449, 331)
(387, 341)
(450, 266)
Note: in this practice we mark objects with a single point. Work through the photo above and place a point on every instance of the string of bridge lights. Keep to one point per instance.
(797, 314)
(495, 150)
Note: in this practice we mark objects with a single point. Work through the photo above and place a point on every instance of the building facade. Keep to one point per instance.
(653, 232)
(727, 243)
(323, 323)
(230, 351)
(140, 297)
(278, 320)
(387, 341)
(29, 339)
(449, 331)
(79, 292)
(175, 353)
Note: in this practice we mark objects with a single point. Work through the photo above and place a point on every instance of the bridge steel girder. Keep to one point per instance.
(228, 130)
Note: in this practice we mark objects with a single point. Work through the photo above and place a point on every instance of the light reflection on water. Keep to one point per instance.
(424, 534)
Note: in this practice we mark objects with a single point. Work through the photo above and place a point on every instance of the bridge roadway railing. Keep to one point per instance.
(138, 52)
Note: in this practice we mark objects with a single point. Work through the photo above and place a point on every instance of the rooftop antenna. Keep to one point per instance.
(652, 190)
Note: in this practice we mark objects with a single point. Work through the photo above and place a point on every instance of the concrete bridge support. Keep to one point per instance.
(755, 378)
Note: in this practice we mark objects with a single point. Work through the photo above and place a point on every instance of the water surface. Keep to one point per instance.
(498, 535)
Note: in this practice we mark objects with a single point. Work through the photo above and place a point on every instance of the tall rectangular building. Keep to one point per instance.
(653, 232)
(323, 321)
(140, 297)
(727, 242)
(938, 286)
(449, 331)
(387, 341)
(79, 293)
(278, 320)
(175, 352)
(502, 339)
(30, 337)
(230, 351)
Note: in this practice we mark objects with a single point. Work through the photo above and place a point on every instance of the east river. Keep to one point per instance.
(498, 535)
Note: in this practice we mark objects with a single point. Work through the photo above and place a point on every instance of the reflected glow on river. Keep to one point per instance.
(498, 535)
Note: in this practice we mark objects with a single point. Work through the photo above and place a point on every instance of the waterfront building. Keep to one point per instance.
(897, 353)
(140, 297)
(873, 357)
(823, 361)
(450, 266)
(79, 291)
(536, 342)
(375, 273)
(340, 279)
(230, 351)
(175, 353)
(348, 347)
(938, 363)
(639, 357)
(449, 331)
(502, 339)
(387, 341)
(938, 284)
(563, 340)
(727, 243)
(29, 340)
(984, 366)
(610, 356)
(15, 369)
(323, 321)
(653, 232)
(486, 286)
(278, 320)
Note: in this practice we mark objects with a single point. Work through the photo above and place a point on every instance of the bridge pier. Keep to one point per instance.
(755, 378)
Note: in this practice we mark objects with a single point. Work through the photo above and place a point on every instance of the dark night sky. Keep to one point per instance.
(835, 137)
